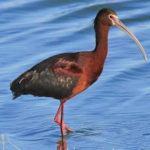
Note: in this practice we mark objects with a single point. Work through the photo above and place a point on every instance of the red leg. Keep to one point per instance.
(57, 120)
(62, 125)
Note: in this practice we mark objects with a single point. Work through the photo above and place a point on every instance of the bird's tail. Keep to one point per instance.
(15, 95)
(15, 90)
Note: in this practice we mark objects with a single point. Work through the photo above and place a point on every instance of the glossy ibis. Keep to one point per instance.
(66, 75)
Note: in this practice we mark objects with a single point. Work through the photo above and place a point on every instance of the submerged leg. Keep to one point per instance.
(57, 118)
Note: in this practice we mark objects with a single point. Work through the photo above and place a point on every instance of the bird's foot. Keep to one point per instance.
(69, 130)
(64, 128)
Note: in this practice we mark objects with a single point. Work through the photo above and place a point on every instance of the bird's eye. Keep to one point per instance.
(110, 17)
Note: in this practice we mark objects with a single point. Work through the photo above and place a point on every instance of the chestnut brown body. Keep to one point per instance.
(65, 75)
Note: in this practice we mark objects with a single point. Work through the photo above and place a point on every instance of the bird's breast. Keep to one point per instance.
(93, 71)
(93, 76)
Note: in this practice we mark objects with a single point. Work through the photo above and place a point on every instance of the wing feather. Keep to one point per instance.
(54, 77)
(67, 68)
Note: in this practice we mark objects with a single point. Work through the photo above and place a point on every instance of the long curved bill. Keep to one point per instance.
(121, 26)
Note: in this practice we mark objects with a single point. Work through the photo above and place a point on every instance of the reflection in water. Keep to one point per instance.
(62, 144)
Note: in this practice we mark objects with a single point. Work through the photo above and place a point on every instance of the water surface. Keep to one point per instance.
(114, 113)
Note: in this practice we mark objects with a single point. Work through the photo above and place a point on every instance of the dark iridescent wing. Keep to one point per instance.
(55, 77)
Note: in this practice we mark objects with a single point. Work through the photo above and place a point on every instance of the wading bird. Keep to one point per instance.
(66, 75)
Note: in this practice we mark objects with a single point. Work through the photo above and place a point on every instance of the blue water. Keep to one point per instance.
(114, 113)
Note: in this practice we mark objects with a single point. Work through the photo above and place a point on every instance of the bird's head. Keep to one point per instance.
(108, 17)
(105, 16)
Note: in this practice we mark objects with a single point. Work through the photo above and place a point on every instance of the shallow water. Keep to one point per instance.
(114, 113)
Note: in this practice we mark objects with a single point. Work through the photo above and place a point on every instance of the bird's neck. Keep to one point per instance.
(100, 50)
